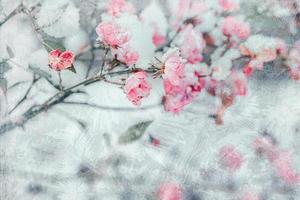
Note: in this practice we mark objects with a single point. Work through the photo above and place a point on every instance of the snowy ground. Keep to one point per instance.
(53, 157)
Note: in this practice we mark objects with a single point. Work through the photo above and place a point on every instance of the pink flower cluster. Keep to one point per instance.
(192, 45)
(117, 39)
(268, 52)
(137, 87)
(179, 90)
(230, 157)
(280, 159)
(232, 27)
(60, 60)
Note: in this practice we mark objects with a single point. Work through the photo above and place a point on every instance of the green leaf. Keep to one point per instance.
(10, 52)
(134, 132)
(51, 43)
(72, 69)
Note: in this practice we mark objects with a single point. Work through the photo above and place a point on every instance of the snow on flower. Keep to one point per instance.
(250, 196)
(229, 5)
(238, 84)
(137, 87)
(115, 7)
(173, 66)
(60, 60)
(126, 55)
(230, 157)
(183, 92)
(170, 191)
(154, 17)
(191, 44)
(187, 9)
(262, 49)
(111, 34)
(232, 27)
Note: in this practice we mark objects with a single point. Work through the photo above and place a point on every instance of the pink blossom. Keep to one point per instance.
(60, 61)
(173, 67)
(137, 87)
(116, 7)
(238, 84)
(284, 169)
(192, 45)
(126, 55)
(170, 191)
(234, 27)
(177, 96)
(248, 70)
(229, 5)
(158, 39)
(111, 34)
(230, 157)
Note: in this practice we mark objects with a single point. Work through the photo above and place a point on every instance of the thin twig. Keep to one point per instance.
(35, 79)
(60, 82)
(111, 108)
(16, 11)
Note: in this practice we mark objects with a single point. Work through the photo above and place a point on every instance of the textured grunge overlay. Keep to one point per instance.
(149, 99)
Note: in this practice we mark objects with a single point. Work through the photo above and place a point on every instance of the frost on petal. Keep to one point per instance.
(140, 38)
(173, 66)
(111, 34)
(233, 27)
(126, 55)
(191, 44)
(137, 87)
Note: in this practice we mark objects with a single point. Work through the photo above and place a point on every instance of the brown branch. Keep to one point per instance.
(59, 97)
(35, 79)
(111, 108)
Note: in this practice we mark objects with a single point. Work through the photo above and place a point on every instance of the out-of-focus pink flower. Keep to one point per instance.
(137, 87)
(284, 168)
(238, 84)
(229, 5)
(111, 34)
(173, 67)
(60, 61)
(250, 196)
(116, 7)
(170, 191)
(293, 61)
(191, 45)
(234, 27)
(158, 39)
(230, 157)
(248, 70)
(126, 55)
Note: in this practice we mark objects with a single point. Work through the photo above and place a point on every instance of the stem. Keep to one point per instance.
(60, 82)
